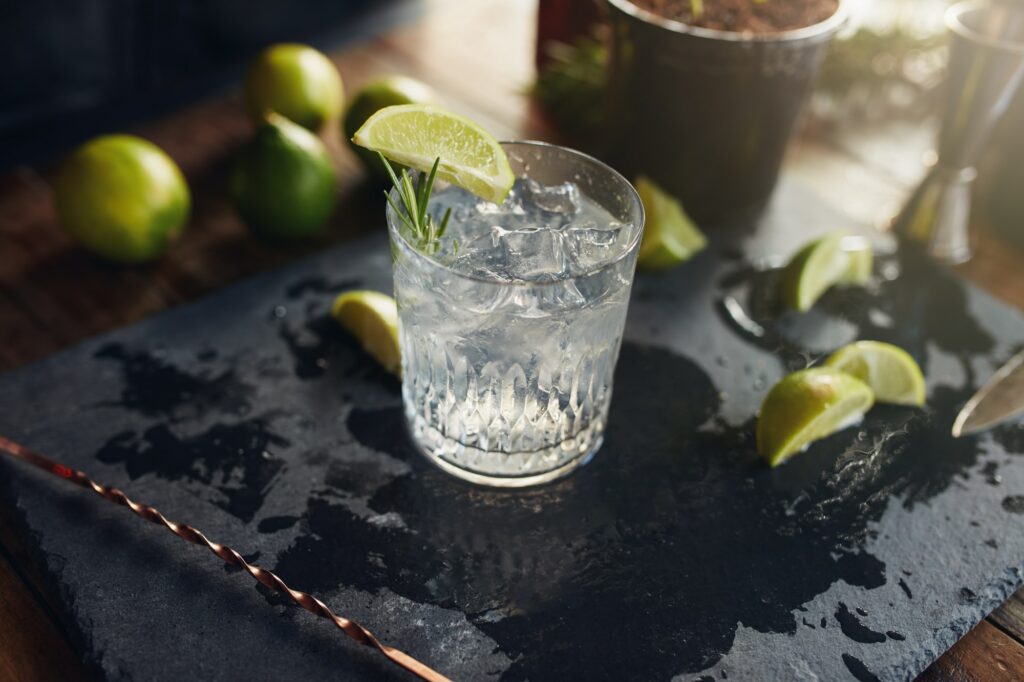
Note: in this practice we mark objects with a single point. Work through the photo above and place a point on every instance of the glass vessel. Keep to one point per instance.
(510, 325)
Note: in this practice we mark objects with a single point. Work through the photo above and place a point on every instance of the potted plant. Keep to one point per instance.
(703, 95)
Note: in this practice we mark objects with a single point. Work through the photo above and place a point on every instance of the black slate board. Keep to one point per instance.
(676, 552)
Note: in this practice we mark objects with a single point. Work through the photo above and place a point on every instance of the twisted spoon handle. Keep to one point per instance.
(227, 554)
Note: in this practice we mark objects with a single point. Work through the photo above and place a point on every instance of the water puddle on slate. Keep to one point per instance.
(318, 284)
(236, 461)
(858, 669)
(232, 463)
(909, 302)
(853, 628)
(155, 387)
(675, 534)
(1014, 504)
(311, 335)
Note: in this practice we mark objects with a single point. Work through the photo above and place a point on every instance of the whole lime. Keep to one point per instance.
(283, 183)
(382, 92)
(296, 81)
(122, 197)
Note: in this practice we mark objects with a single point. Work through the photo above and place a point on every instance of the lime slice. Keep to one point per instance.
(836, 258)
(892, 374)
(670, 237)
(417, 134)
(808, 405)
(372, 317)
(862, 260)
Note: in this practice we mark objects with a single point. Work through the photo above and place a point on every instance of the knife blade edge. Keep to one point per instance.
(964, 424)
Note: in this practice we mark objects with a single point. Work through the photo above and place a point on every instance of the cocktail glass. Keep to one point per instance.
(510, 328)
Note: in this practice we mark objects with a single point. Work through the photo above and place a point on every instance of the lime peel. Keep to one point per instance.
(297, 81)
(122, 197)
(806, 406)
(893, 375)
(670, 236)
(415, 135)
(283, 183)
(373, 96)
(836, 258)
(371, 317)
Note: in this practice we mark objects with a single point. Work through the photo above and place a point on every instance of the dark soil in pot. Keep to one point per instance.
(767, 16)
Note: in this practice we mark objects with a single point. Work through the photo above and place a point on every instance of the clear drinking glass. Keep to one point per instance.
(510, 327)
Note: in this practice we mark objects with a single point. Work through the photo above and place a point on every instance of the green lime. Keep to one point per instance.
(890, 371)
(670, 237)
(417, 134)
(833, 259)
(296, 81)
(122, 198)
(805, 406)
(387, 91)
(283, 183)
(862, 260)
(371, 317)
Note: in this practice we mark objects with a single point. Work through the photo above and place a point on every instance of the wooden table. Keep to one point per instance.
(478, 56)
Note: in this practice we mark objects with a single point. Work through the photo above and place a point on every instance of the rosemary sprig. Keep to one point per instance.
(415, 201)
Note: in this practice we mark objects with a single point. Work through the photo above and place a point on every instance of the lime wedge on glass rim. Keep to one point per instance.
(371, 317)
(670, 237)
(893, 375)
(836, 258)
(806, 406)
(416, 134)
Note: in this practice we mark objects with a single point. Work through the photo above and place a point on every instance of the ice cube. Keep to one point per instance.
(539, 233)
(480, 252)
(534, 253)
(591, 244)
(552, 205)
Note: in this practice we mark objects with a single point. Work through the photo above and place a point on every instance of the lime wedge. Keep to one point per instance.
(892, 374)
(806, 406)
(834, 259)
(417, 134)
(371, 317)
(862, 260)
(670, 237)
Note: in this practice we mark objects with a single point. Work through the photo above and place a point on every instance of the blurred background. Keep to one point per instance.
(171, 71)
(83, 66)
(74, 68)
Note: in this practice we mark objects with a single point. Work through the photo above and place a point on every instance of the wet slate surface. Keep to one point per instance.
(675, 554)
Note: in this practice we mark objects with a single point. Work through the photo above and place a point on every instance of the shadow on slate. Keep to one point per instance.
(677, 552)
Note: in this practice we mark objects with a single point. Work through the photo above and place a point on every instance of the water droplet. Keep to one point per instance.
(967, 594)
(1014, 504)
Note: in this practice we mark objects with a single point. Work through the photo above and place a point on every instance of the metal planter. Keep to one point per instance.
(707, 114)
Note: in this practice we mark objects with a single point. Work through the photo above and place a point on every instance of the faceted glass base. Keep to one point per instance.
(501, 469)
